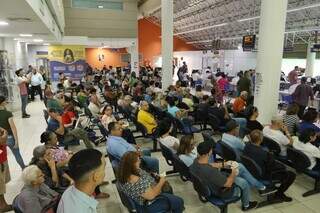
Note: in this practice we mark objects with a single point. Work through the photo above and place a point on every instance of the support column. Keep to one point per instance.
(134, 57)
(270, 52)
(311, 60)
(167, 42)
(21, 50)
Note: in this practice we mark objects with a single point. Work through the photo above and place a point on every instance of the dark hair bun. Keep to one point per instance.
(45, 137)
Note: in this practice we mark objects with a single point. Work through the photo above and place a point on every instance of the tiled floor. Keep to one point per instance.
(29, 133)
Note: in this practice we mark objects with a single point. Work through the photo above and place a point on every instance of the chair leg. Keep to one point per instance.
(155, 146)
(316, 189)
(224, 209)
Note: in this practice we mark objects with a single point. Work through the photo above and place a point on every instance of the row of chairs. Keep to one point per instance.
(205, 194)
(295, 159)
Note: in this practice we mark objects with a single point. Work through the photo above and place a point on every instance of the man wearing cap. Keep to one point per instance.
(278, 132)
(231, 137)
(22, 84)
(220, 183)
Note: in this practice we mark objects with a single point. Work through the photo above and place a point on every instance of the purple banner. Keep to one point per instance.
(75, 70)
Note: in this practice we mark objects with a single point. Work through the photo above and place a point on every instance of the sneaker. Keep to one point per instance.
(267, 191)
(25, 116)
(285, 198)
(252, 205)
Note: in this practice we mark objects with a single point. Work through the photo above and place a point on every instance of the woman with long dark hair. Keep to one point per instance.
(142, 187)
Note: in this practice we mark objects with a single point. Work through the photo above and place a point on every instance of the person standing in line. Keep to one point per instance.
(7, 123)
(36, 82)
(293, 76)
(301, 96)
(4, 172)
(22, 84)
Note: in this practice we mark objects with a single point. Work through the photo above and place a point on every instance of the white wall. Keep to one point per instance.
(32, 53)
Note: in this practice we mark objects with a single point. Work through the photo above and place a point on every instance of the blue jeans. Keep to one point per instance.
(245, 174)
(161, 205)
(242, 124)
(151, 163)
(16, 152)
(24, 102)
(245, 189)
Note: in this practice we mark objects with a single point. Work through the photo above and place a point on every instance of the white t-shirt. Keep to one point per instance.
(195, 76)
(94, 109)
(278, 137)
(169, 142)
(308, 149)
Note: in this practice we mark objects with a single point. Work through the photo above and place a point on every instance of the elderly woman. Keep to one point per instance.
(35, 195)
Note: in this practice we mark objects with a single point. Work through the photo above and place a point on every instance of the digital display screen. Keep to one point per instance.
(248, 42)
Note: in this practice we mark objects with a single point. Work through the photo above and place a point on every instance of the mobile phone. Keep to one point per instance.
(226, 170)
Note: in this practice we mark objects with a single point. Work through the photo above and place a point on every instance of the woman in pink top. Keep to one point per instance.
(223, 83)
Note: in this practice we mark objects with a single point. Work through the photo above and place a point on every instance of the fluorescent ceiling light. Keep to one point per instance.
(202, 28)
(304, 8)
(16, 39)
(100, 6)
(38, 40)
(25, 35)
(46, 44)
(248, 19)
(4, 23)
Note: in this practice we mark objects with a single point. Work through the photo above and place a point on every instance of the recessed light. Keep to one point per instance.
(16, 39)
(46, 44)
(25, 35)
(4, 23)
(100, 6)
(38, 40)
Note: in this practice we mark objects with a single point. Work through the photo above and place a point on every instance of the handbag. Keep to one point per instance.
(166, 188)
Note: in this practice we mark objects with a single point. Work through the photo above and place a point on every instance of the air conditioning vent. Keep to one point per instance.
(19, 19)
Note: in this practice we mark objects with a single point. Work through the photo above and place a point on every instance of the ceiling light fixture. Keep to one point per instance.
(100, 6)
(4, 23)
(46, 44)
(25, 35)
(38, 40)
(202, 28)
(16, 39)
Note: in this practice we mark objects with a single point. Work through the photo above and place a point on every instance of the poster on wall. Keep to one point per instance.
(69, 59)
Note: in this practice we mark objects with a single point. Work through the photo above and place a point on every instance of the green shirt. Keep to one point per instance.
(5, 115)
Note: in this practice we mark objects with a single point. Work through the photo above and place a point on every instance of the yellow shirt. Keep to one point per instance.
(147, 120)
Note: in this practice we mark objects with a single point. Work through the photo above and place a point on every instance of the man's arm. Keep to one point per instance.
(230, 179)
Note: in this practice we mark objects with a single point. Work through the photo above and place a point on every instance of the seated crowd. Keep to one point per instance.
(69, 181)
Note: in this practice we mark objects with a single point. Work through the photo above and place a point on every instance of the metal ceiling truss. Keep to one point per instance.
(198, 22)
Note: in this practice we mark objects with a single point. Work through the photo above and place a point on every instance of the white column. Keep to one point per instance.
(21, 49)
(270, 50)
(311, 60)
(134, 53)
(167, 42)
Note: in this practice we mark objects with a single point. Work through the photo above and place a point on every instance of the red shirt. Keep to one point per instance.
(3, 153)
(239, 105)
(67, 117)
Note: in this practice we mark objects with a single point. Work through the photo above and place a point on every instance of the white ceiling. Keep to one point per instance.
(11, 10)
(200, 21)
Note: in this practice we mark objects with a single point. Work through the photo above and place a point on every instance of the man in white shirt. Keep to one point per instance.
(305, 145)
(36, 82)
(87, 169)
(278, 132)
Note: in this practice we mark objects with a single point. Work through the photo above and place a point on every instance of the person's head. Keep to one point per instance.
(232, 128)
(198, 88)
(129, 165)
(292, 109)
(32, 176)
(308, 136)
(87, 167)
(303, 80)
(205, 98)
(128, 99)
(53, 113)
(204, 150)
(48, 94)
(296, 68)
(107, 110)
(256, 137)
(171, 101)
(164, 127)
(212, 101)
(115, 129)
(34, 71)
(244, 95)
(253, 112)
(40, 153)
(49, 138)
(3, 101)
(19, 72)
(310, 115)
(186, 145)
(277, 122)
(144, 106)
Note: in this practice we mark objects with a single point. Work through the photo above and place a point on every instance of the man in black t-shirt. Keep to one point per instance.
(220, 184)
